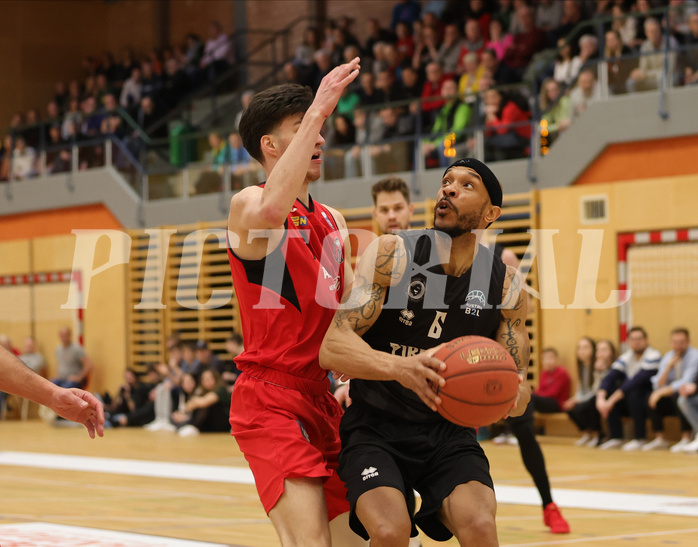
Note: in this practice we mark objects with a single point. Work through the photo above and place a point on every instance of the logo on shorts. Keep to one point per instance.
(369, 473)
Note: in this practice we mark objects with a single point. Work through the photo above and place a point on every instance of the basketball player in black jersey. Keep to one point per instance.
(412, 292)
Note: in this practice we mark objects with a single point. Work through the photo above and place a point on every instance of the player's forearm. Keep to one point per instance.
(288, 175)
(345, 352)
(20, 380)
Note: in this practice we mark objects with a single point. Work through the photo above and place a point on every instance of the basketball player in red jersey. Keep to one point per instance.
(411, 293)
(286, 255)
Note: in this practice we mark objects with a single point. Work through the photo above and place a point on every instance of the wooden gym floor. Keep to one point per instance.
(604, 495)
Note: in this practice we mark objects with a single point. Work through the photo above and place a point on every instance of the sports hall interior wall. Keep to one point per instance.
(661, 203)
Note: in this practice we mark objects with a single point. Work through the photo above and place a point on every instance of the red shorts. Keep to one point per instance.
(285, 433)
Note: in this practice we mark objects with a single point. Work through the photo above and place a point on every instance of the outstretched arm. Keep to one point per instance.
(73, 404)
(343, 350)
(512, 334)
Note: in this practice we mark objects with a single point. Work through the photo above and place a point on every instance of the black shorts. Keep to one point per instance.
(379, 449)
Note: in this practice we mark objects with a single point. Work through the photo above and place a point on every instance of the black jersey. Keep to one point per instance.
(426, 309)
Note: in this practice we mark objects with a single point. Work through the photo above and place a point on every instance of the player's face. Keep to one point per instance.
(392, 212)
(284, 135)
(463, 204)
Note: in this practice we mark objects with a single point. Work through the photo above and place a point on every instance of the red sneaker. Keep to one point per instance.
(554, 520)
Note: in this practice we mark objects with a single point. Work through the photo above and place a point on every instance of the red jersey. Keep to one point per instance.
(288, 298)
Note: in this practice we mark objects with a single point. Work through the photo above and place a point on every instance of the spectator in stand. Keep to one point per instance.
(376, 34)
(633, 370)
(571, 17)
(405, 42)
(57, 156)
(452, 118)
(677, 368)
(150, 82)
(410, 87)
(322, 67)
(389, 157)
(588, 52)
(147, 115)
(194, 49)
(406, 11)
(688, 403)
(648, 75)
(245, 100)
(624, 25)
(504, 12)
(135, 407)
(112, 123)
(469, 82)
(555, 109)
(107, 68)
(340, 137)
(385, 86)
(515, 24)
(502, 140)
(368, 95)
(131, 90)
(16, 122)
(208, 410)
(352, 157)
(593, 362)
(562, 71)
(499, 42)
(548, 14)
(478, 11)
(210, 181)
(72, 120)
(90, 88)
(347, 102)
(303, 56)
(74, 365)
(449, 52)
(218, 53)
(584, 93)
(53, 113)
(619, 69)
(554, 384)
(689, 58)
(23, 161)
(526, 44)
(174, 84)
(436, 7)
(125, 68)
(74, 91)
(61, 95)
(498, 71)
(188, 363)
(473, 42)
(206, 358)
(102, 87)
(380, 62)
(292, 74)
(426, 48)
(431, 93)
(34, 130)
(240, 161)
(32, 357)
(228, 369)
(641, 14)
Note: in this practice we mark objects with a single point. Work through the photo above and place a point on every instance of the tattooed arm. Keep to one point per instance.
(382, 265)
(512, 333)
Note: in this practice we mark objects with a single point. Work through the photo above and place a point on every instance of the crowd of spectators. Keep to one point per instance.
(640, 383)
(405, 63)
(189, 394)
(111, 91)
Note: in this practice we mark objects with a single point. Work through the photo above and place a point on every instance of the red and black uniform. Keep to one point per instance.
(282, 414)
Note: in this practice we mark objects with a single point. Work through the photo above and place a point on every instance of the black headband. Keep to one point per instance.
(494, 189)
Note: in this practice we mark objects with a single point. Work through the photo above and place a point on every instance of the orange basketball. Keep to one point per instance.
(481, 381)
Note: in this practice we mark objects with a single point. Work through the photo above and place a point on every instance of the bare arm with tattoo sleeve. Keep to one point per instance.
(344, 351)
(512, 334)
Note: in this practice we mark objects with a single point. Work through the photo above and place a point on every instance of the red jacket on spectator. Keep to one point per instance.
(524, 47)
(430, 89)
(511, 113)
(554, 384)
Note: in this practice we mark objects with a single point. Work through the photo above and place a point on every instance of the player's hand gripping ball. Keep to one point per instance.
(482, 381)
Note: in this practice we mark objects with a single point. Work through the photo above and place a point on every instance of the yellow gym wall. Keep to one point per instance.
(104, 317)
(655, 204)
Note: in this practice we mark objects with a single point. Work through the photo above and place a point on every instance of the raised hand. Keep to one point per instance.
(332, 86)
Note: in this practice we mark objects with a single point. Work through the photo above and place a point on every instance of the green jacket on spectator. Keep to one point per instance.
(452, 118)
(561, 111)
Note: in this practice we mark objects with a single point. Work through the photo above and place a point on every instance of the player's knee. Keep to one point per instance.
(479, 527)
(390, 532)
